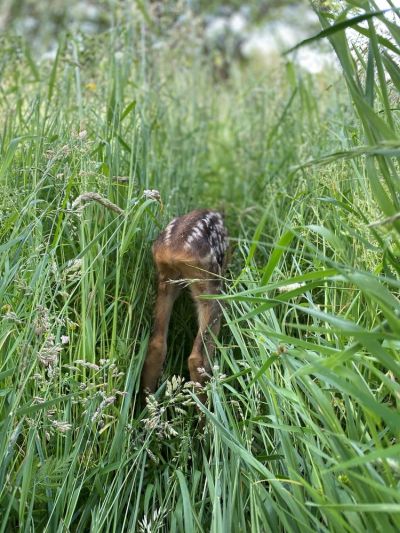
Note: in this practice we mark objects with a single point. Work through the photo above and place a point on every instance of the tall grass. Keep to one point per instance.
(303, 421)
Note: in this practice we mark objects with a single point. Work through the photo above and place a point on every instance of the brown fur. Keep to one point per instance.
(177, 266)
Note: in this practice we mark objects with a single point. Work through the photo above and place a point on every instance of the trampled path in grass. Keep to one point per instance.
(302, 425)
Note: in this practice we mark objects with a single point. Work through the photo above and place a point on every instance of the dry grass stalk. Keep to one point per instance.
(96, 197)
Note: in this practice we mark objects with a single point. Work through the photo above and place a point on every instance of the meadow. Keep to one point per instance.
(302, 424)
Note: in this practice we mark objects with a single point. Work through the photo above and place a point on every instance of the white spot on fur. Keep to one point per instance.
(168, 230)
(207, 219)
(197, 233)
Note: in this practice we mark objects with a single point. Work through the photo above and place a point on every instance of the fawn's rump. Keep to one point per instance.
(196, 240)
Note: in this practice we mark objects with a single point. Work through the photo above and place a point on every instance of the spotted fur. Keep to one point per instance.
(189, 252)
(201, 233)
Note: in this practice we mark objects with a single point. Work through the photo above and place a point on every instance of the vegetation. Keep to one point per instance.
(302, 427)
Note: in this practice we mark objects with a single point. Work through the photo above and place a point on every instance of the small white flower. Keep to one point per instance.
(82, 135)
(64, 339)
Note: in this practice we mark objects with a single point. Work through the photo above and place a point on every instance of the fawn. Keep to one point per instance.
(190, 251)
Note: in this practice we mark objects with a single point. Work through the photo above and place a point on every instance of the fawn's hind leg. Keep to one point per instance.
(168, 291)
(209, 320)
